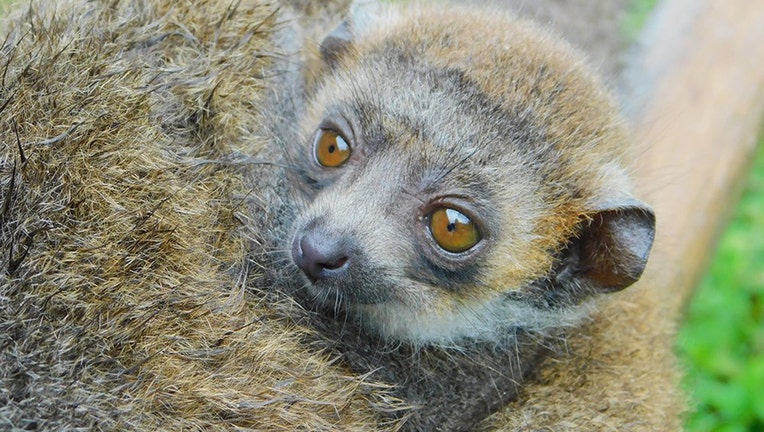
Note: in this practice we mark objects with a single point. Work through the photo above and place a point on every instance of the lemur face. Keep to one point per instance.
(460, 186)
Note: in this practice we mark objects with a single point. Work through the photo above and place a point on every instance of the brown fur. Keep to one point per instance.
(129, 136)
(618, 375)
(123, 283)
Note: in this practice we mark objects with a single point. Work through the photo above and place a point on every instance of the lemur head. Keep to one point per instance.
(464, 176)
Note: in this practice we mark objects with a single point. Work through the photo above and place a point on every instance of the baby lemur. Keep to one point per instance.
(463, 198)
(464, 176)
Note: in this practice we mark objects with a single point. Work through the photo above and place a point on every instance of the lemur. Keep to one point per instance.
(462, 200)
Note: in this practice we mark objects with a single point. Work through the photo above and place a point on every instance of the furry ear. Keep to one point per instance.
(360, 20)
(336, 43)
(611, 251)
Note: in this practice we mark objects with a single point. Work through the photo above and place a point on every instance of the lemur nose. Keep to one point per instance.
(319, 256)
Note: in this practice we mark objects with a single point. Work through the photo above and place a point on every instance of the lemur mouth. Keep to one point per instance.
(336, 267)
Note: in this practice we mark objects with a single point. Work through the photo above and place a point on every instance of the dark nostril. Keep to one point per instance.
(334, 265)
(320, 256)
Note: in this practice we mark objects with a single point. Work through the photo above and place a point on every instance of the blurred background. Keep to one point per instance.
(720, 343)
(721, 340)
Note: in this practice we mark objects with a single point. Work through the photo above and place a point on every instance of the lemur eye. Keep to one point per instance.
(453, 231)
(331, 149)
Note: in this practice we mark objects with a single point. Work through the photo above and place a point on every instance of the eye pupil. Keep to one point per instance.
(332, 148)
(451, 227)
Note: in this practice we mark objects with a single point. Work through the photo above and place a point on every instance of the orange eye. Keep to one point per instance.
(331, 148)
(453, 231)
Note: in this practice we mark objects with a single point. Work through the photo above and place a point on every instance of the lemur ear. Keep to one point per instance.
(336, 43)
(360, 20)
(612, 249)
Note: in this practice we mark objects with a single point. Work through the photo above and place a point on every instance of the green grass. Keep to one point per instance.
(636, 17)
(721, 341)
